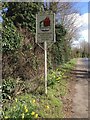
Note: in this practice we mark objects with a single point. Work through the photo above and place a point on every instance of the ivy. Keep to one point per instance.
(23, 14)
(10, 37)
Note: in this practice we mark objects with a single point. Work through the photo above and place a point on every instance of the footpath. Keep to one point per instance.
(80, 98)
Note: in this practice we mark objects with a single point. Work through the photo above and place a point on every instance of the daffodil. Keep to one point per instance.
(6, 117)
(47, 107)
(34, 101)
(33, 113)
(14, 107)
(26, 110)
(36, 115)
(22, 115)
(58, 78)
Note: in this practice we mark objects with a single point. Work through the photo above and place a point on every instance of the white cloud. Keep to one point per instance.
(84, 34)
(84, 29)
(83, 23)
(82, 20)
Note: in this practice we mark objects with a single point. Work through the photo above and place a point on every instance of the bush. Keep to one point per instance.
(12, 87)
(21, 108)
(10, 37)
(54, 76)
(59, 74)
(69, 65)
(51, 78)
(8, 87)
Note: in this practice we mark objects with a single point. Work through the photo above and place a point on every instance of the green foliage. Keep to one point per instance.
(55, 76)
(23, 14)
(8, 87)
(36, 105)
(11, 87)
(69, 65)
(58, 49)
(51, 78)
(10, 37)
(60, 32)
(59, 74)
(19, 51)
(18, 15)
(21, 108)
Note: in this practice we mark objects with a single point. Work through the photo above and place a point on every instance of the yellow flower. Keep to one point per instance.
(16, 99)
(58, 78)
(14, 107)
(6, 117)
(26, 110)
(22, 115)
(25, 107)
(33, 113)
(36, 115)
(34, 101)
(47, 107)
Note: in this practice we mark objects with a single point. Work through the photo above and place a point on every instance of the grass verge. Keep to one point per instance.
(42, 106)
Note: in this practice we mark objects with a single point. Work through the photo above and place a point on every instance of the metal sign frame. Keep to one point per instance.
(40, 34)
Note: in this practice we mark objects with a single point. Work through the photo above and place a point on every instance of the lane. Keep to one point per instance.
(80, 99)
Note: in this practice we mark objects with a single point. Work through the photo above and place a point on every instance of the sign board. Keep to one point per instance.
(45, 27)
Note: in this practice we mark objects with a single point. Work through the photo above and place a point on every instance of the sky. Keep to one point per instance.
(82, 7)
(82, 20)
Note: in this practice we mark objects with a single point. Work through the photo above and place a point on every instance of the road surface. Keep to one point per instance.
(80, 99)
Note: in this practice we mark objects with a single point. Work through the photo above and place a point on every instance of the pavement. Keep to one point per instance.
(80, 99)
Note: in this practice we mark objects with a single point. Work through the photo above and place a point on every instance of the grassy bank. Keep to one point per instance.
(35, 105)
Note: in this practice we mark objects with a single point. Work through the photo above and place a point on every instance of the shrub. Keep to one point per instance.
(8, 87)
(54, 77)
(51, 78)
(11, 38)
(21, 108)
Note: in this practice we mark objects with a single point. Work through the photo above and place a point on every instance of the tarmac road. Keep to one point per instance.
(81, 99)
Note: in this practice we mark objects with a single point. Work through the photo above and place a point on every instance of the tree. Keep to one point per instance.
(66, 16)
(84, 48)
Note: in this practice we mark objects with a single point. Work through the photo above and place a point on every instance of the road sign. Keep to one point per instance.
(45, 27)
(45, 32)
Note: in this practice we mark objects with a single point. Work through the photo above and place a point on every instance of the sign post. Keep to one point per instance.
(45, 48)
(45, 32)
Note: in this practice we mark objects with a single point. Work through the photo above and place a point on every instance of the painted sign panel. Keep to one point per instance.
(45, 27)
